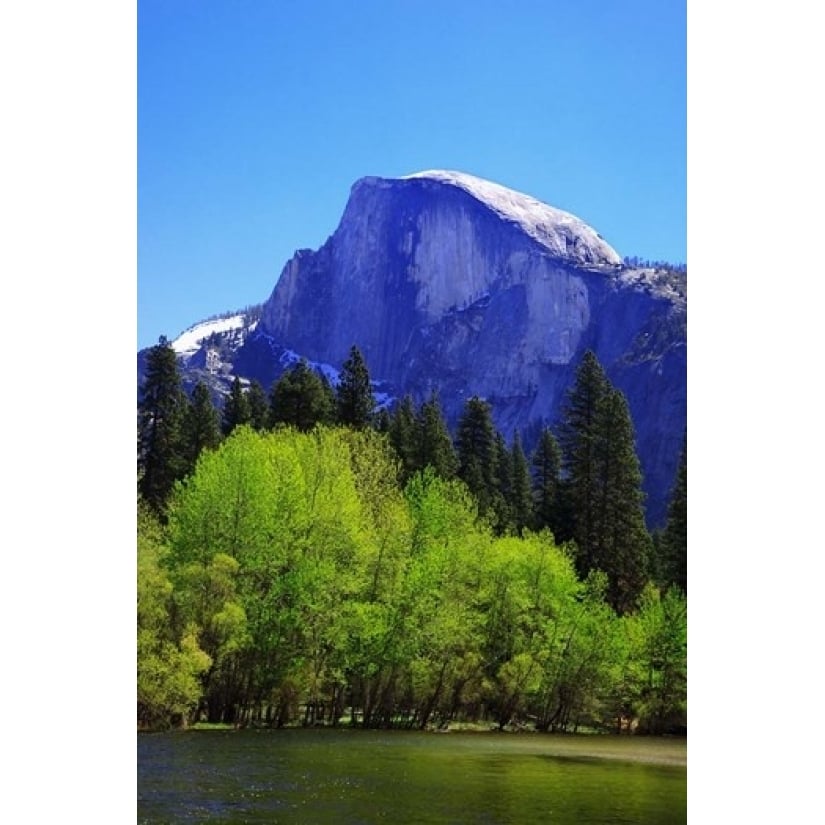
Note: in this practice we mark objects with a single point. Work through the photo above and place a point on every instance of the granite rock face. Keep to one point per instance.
(447, 282)
(451, 283)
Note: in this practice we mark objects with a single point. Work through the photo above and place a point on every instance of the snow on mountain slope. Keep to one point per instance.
(558, 231)
(189, 341)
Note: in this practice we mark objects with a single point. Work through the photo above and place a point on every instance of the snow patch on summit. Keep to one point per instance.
(561, 233)
(189, 341)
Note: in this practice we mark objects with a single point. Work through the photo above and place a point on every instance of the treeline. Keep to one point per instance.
(636, 261)
(302, 558)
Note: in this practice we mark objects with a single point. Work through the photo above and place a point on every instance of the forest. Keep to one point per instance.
(305, 558)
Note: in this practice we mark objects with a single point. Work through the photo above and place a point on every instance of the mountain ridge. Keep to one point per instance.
(454, 284)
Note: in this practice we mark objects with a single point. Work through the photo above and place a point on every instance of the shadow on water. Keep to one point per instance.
(367, 777)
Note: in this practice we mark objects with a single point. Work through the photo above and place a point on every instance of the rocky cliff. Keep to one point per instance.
(451, 283)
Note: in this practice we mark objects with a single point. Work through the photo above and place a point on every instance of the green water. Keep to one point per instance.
(350, 776)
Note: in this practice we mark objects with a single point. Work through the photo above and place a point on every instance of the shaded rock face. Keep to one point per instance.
(449, 283)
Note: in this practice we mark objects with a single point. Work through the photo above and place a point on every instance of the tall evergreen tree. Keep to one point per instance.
(435, 447)
(503, 496)
(476, 448)
(403, 436)
(257, 406)
(604, 483)
(674, 539)
(521, 503)
(579, 437)
(546, 464)
(235, 408)
(356, 402)
(161, 406)
(624, 546)
(301, 398)
(201, 425)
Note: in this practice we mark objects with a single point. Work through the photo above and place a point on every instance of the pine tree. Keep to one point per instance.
(604, 484)
(161, 406)
(201, 425)
(546, 464)
(403, 436)
(435, 447)
(257, 406)
(674, 540)
(235, 409)
(579, 441)
(301, 398)
(356, 402)
(476, 448)
(624, 546)
(521, 503)
(503, 495)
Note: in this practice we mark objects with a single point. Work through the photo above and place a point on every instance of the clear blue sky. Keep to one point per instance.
(255, 119)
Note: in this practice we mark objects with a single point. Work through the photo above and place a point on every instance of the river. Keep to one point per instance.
(343, 776)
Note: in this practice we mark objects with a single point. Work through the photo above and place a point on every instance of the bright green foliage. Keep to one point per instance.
(201, 425)
(161, 407)
(476, 447)
(296, 582)
(235, 408)
(257, 406)
(169, 664)
(675, 534)
(435, 447)
(653, 687)
(301, 398)
(355, 401)
(546, 464)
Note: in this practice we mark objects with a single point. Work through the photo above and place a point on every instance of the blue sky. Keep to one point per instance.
(255, 119)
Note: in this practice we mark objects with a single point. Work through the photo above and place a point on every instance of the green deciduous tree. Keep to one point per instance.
(169, 663)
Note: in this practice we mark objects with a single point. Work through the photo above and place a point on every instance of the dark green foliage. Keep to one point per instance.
(521, 502)
(201, 425)
(257, 406)
(435, 447)
(235, 409)
(546, 464)
(301, 399)
(624, 545)
(579, 442)
(404, 437)
(604, 480)
(674, 540)
(161, 407)
(503, 495)
(355, 400)
(476, 448)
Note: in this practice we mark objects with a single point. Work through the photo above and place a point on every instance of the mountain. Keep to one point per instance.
(452, 283)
